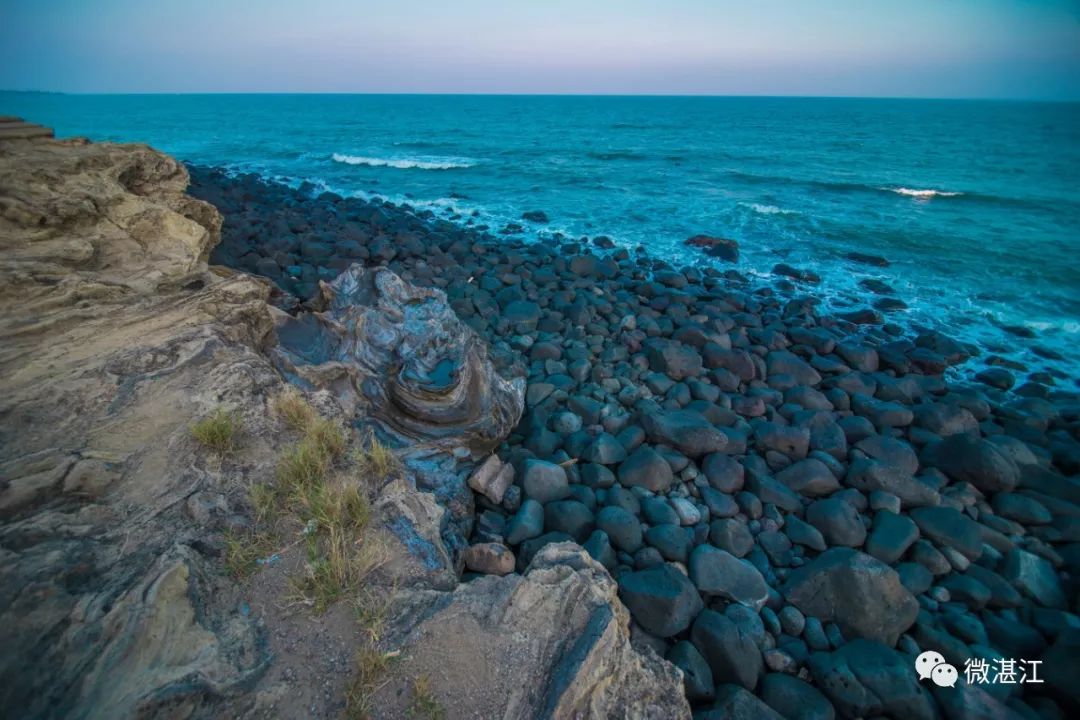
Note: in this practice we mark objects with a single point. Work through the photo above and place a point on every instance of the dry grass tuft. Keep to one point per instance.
(243, 550)
(423, 704)
(376, 462)
(369, 671)
(217, 431)
(294, 410)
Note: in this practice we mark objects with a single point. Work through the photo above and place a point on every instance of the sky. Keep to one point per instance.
(1019, 49)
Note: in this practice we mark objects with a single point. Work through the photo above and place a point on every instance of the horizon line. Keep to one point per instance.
(944, 98)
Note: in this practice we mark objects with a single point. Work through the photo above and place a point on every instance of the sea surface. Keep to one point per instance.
(976, 204)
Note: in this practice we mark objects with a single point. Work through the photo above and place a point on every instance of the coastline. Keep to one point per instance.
(670, 410)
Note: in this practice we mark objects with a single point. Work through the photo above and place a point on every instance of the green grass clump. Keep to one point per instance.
(294, 410)
(217, 431)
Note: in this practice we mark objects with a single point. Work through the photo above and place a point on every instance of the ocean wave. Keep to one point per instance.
(405, 163)
(922, 193)
(769, 209)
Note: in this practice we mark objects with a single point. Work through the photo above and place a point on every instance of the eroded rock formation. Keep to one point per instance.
(114, 338)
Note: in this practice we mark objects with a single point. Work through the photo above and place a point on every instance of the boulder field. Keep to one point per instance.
(793, 505)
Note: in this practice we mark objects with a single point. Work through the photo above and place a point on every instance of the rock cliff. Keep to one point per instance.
(115, 338)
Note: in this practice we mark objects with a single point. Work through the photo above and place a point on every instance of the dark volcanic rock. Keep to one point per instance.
(862, 595)
(715, 247)
(685, 430)
(646, 468)
(716, 572)
(976, 461)
(867, 679)
(729, 648)
(793, 698)
(661, 599)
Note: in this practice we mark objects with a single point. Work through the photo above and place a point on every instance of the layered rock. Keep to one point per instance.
(114, 339)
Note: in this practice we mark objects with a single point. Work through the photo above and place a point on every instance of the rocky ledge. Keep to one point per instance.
(116, 339)
(794, 506)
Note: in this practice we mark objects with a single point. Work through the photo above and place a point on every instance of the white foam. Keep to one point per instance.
(923, 193)
(770, 209)
(405, 163)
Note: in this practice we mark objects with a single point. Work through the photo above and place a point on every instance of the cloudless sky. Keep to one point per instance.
(894, 48)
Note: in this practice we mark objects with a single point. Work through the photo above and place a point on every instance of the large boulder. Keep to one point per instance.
(729, 648)
(719, 573)
(867, 679)
(560, 626)
(661, 599)
(646, 468)
(685, 430)
(977, 461)
(862, 595)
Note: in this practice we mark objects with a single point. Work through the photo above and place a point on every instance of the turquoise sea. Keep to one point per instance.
(976, 204)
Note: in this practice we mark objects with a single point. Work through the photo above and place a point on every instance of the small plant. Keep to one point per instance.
(369, 670)
(424, 705)
(294, 410)
(243, 550)
(217, 431)
(376, 461)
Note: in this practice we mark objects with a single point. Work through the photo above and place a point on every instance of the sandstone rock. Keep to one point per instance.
(489, 558)
(560, 625)
(492, 479)
(114, 340)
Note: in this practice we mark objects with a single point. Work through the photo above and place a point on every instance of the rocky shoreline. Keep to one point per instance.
(794, 506)
(590, 462)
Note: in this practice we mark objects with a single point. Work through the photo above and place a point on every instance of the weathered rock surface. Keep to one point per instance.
(114, 339)
(561, 628)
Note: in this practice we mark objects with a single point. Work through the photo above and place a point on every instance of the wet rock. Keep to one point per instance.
(862, 595)
(697, 677)
(527, 523)
(715, 247)
(951, 528)
(622, 528)
(570, 517)
(809, 477)
(732, 536)
(892, 535)
(838, 522)
(1034, 577)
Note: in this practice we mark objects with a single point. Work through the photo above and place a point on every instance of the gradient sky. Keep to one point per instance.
(894, 48)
